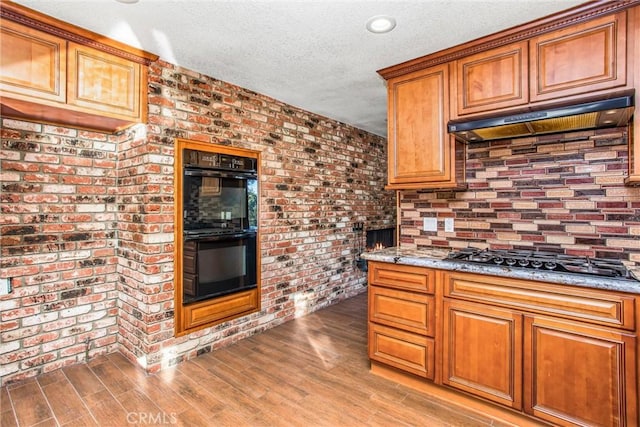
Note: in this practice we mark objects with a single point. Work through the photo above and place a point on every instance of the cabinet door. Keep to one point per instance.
(103, 83)
(33, 63)
(421, 152)
(579, 375)
(482, 351)
(495, 79)
(579, 59)
(403, 350)
(409, 311)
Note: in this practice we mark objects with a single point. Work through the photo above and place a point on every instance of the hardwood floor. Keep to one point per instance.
(312, 371)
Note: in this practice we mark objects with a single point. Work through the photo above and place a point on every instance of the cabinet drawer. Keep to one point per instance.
(220, 309)
(402, 277)
(600, 307)
(403, 350)
(409, 311)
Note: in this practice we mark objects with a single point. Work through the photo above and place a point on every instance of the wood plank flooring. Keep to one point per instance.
(312, 371)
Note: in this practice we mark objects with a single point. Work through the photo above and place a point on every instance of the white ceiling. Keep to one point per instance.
(313, 54)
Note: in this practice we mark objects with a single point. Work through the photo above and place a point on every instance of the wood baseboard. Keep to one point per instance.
(469, 403)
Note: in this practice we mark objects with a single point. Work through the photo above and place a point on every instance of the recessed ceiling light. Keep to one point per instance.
(381, 24)
(127, 1)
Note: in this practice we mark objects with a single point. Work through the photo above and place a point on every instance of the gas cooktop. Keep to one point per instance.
(548, 261)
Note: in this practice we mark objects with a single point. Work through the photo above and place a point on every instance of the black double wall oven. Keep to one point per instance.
(220, 210)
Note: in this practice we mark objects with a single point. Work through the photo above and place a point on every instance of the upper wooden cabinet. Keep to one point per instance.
(53, 72)
(633, 75)
(579, 59)
(34, 64)
(421, 152)
(592, 49)
(498, 78)
(102, 82)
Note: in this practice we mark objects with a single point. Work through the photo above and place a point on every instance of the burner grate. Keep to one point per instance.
(543, 261)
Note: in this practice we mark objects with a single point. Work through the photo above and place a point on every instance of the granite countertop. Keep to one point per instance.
(436, 258)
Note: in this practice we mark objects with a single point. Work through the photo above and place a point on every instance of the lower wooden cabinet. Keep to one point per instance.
(402, 321)
(404, 350)
(561, 354)
(207, 312)
(482, 349)
(579, 375)
(410, 311)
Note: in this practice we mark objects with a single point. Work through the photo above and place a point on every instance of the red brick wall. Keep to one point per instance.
(563, 194)
(59, 238)
(87, 224)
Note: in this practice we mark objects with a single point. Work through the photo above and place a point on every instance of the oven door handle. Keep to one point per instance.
(219, 174)
(220, 237)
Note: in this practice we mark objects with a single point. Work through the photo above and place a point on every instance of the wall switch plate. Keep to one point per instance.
(448, 225)
(5, 286)
(430, 224)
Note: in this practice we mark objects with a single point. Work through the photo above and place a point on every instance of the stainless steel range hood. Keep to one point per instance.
(613, 111)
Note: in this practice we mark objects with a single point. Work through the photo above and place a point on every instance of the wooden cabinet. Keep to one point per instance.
(90, 82)
(402, 317)
(413, 353)
(576, 374)
(421, 153)
(579, 59)
(103, 83)
(34, 64)
(577, 347)
(633, 74)
(206, 313)
(563, 354)
(482, 347)
(498, 78)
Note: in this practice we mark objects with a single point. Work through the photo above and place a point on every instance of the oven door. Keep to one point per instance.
(219, 200)
(218, 265)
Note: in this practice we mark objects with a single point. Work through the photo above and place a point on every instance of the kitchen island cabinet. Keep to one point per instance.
(557, 353)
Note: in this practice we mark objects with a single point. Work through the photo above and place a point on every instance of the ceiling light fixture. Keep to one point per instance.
(381, 24)
(127, 1)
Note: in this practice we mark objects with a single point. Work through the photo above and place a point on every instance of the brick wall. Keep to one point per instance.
(87, 223)
(563, 194)
(58, 239)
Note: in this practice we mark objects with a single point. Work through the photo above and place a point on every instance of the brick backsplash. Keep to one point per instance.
(558, 193)
(87, 223)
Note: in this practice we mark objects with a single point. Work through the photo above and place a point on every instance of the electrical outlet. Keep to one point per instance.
(430, 224)
(5, 286)
(448, 225)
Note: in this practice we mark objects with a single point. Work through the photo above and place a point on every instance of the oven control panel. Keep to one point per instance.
(205, 159)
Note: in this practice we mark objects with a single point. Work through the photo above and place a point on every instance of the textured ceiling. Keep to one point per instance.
(313, 54)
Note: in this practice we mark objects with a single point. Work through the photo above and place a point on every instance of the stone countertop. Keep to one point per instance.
(436, 258)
